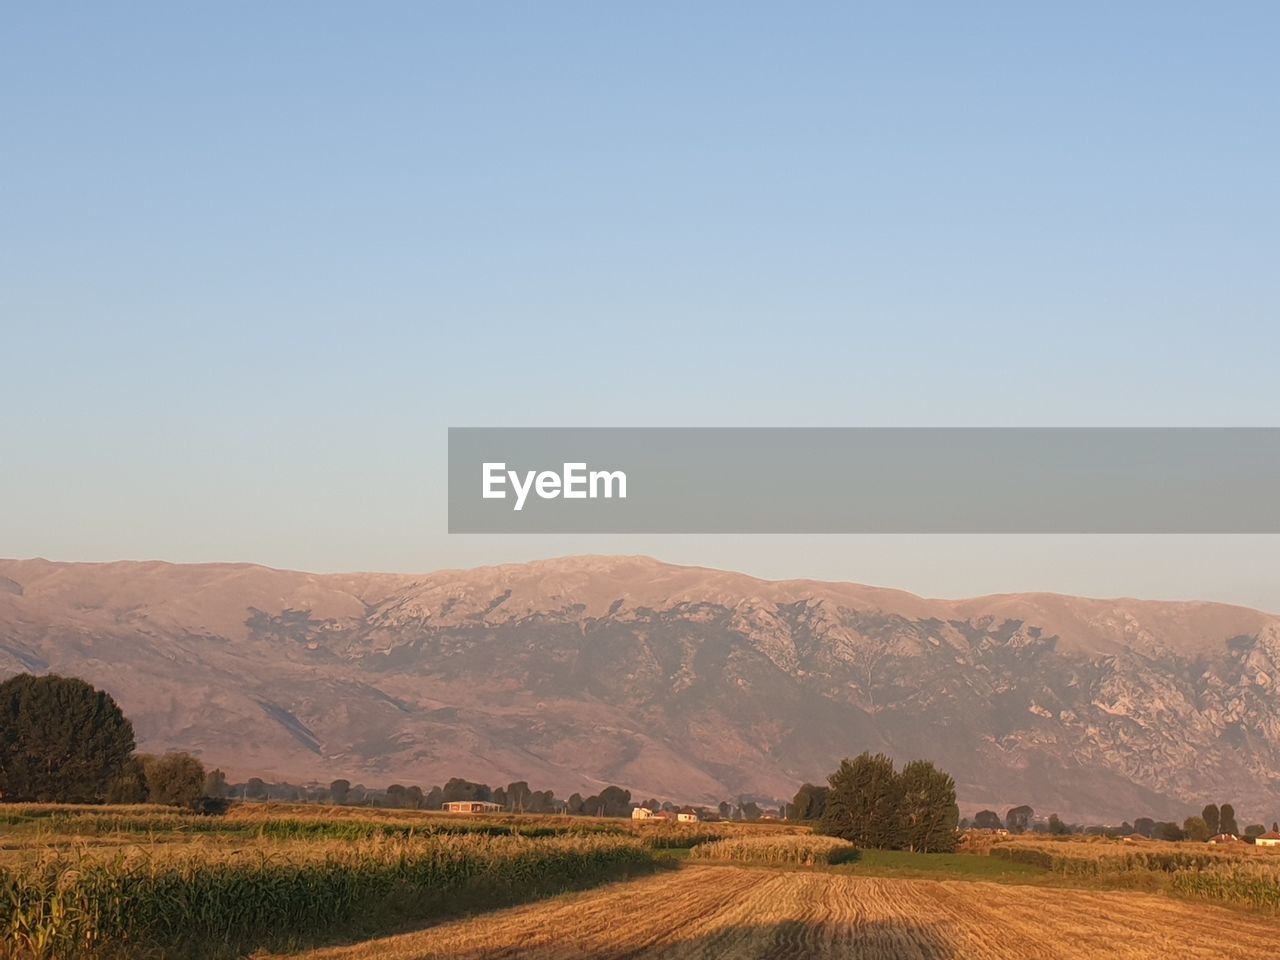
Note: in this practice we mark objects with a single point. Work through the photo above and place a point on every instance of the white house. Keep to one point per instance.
(472, 806)
(641, 813)
(1269, 839)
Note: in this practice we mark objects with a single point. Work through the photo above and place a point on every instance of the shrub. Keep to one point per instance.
(175, 778)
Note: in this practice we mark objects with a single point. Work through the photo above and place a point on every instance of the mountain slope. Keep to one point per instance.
(673, 681)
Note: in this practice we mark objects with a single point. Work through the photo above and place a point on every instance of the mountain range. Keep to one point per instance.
(675, 682)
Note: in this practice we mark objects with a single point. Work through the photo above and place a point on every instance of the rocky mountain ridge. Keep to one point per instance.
(677, 682)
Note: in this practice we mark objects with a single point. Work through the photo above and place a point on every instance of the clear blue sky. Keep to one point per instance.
(255, 258)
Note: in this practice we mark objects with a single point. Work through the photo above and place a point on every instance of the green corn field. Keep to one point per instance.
(1251, 884)
(178, 900)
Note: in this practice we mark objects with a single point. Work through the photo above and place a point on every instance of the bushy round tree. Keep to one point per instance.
(61, 740)
(130, 785)
(175, 778)
(1018, 819)
(1195, 828)
(810, 802)
(987, 820)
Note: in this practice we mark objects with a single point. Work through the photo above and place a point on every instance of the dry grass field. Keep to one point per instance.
(778, 851)
(738, 913)
(1234, 873)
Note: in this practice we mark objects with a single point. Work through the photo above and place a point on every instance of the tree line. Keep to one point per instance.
(516, 797)
(1212, 821)
(63, 741)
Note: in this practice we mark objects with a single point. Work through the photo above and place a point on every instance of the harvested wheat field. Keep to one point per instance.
(735, 912)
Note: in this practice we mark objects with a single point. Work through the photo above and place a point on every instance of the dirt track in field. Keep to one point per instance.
(736, 913)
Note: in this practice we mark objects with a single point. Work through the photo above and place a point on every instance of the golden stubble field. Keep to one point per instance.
(741, 912)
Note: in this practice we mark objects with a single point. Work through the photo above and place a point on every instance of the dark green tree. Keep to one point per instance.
(397, 796)
(927, 809)
(459, 789)
(809, 803)
(987, 820)
(1057, 827)
(1195, 828)
(339, 790)
(1144, 827)
(175, 778)
(1227, 821)
(130, 784)
(61, 741)
(1168, 831)
(1018, 819)
(612, 802)
(1211, 816)
(215, 784)
(256, 789)
(518, 796)
(862, 806)
(542, 801)
(1254, 830)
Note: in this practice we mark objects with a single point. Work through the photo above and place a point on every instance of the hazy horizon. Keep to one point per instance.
(743, 560)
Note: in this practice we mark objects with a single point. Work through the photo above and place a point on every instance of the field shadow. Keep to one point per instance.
(896, 939)
(899, 939)
(413, 908)
(842, 857)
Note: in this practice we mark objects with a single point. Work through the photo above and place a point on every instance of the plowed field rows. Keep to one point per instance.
(733, 912)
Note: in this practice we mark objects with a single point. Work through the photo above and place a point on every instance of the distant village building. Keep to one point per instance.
(644, 813)
(1224, 838)
(472, 806)
(1268, 839)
